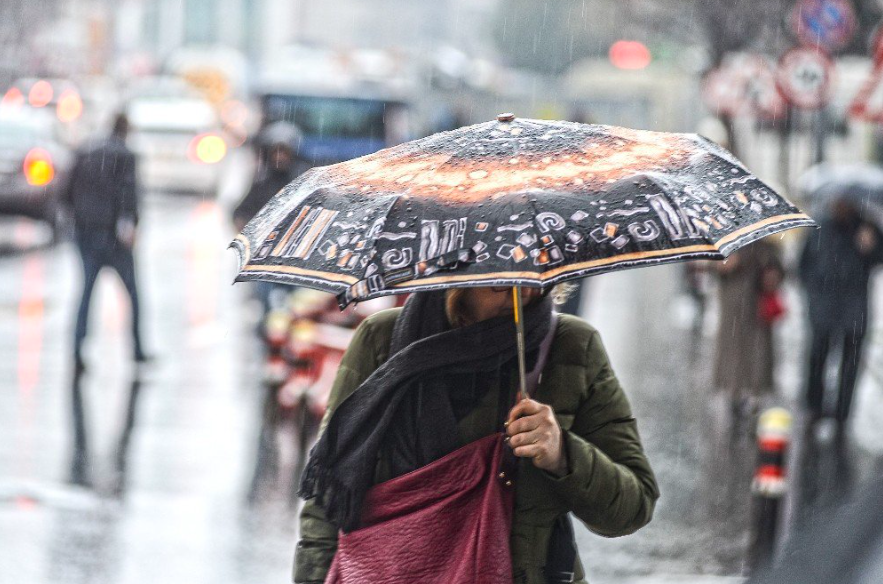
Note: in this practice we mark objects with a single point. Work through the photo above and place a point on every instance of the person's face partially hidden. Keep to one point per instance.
(485, 303)
(843, 212)
(280, 158)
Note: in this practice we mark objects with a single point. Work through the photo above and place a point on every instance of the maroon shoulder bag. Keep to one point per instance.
(445, 523)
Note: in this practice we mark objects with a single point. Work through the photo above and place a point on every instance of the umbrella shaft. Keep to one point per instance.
(519, 336)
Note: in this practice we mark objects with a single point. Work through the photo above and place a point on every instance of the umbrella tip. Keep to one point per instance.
(506, 117)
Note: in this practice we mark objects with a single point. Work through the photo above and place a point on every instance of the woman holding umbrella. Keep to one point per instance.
(455, 444)
(577, 437)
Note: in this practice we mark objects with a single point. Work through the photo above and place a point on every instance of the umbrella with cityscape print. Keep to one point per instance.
(510, 202)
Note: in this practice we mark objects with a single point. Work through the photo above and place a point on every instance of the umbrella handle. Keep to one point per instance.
(519, 336)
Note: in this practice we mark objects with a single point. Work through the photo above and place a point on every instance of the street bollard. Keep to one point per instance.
(769, 486)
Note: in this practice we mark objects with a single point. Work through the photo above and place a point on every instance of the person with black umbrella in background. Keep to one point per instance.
(835, 268)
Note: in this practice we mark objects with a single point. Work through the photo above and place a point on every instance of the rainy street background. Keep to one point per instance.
(180, 469)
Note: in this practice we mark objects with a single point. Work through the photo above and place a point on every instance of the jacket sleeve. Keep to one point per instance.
(128, 186)
(806, 267)
(609, 486)
(68, 194)
(876, 256)
(318, 536)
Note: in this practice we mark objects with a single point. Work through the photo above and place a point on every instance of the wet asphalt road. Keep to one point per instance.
(170, 454)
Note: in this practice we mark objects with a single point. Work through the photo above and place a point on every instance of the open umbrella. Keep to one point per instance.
(861, 183)
(510, 202)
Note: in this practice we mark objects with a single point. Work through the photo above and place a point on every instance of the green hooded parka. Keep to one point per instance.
(610, 486)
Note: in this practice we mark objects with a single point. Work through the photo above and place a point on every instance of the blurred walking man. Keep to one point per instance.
(103, 198)
(835, 268)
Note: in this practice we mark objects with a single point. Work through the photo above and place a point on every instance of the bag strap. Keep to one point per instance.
(509, 462)
(561, 556)
(533, 378)
(508, 398)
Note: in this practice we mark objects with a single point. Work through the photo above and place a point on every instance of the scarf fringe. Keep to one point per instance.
(336, 498)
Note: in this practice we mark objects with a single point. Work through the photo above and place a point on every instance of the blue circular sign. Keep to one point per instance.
(825, 24)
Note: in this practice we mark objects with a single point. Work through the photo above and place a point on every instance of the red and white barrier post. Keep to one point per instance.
(770, 484)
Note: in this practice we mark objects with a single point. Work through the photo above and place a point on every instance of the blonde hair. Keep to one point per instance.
(561, 293)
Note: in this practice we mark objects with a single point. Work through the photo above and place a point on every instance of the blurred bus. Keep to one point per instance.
(343, 105)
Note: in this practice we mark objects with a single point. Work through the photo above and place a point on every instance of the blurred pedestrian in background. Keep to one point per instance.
(750, 304)
(103, 199)
(835, 268)
(277, 165)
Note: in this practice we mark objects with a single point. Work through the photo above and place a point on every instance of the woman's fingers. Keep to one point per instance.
(534, 436)
(525, 424)
(530, 451)
(534, 433)
(526, 407)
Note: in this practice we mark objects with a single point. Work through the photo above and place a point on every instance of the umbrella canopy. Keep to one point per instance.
(861, 183)
(511, 202)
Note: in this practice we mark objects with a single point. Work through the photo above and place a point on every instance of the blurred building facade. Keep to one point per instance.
(94, 36)
(53, 37)
(259, 27)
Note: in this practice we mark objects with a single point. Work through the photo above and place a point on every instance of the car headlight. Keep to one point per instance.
(38, 167)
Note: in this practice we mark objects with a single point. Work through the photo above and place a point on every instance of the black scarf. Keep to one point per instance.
(410, 405)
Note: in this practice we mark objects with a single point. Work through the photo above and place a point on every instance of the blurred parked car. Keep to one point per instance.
(34, 165)
(60, 96)
(334, 127)
(179, 142)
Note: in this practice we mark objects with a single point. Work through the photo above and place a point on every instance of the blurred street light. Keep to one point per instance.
(630, 55)
(40, 94)
(13, 98)
(70, 106)
(208, 148)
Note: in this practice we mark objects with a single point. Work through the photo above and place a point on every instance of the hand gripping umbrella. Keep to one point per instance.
(510, 202)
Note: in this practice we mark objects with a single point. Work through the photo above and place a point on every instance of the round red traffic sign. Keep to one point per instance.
(744, 84)
(877, 45)
(722, 92)
(804, 77)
